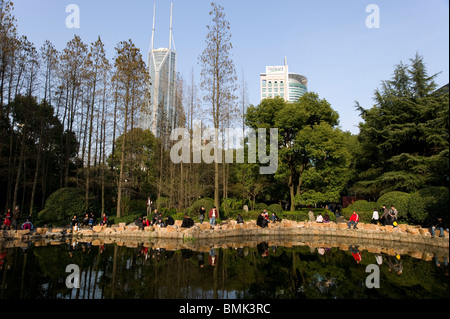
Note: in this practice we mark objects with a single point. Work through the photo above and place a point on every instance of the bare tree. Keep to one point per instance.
(132, 78)
(218, 77)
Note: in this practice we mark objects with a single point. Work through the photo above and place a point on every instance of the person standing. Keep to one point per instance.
(212, 216)
(149, 206)
(15, 218)
(385, 216)
(201, 215)
(393, 213)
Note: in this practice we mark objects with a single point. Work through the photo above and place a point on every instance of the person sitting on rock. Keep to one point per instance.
(354, 219)
(275, 218)
(319, 218)
(187, 222)
(262, 221)
(169, 221)
(239, 219)
(27, 224)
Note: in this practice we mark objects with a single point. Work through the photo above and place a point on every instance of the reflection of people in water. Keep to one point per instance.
(355, 253)
(438, 263)
(73, 248)
(395, 264)
(263, 249)
(201, 260)
(212, 259)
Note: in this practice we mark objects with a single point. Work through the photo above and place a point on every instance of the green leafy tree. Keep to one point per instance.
(313, 155)
(404, 136)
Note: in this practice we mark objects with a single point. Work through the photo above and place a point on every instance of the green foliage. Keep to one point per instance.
(302, 215)
(194, 210)
(313, 157)
(404, 137)
(275, 208)
(261, 206)
(66, 202)
(425, 205)
(162, 203)
(130, 205)
(400, 200)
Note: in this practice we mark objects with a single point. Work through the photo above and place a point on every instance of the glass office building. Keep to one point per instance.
(162, 70)
(278, 81)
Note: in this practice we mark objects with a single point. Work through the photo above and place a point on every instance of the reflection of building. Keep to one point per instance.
(162, 70)
(277, 81)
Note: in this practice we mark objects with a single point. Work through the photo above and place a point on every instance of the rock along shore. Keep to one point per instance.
(231, 230)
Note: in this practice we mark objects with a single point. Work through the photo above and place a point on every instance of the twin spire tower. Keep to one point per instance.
(162, 70)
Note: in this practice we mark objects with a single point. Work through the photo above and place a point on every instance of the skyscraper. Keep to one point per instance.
(162, 70)
(277, 81)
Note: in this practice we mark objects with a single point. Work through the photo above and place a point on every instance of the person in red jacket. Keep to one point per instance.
(213, 214)
(354, 219)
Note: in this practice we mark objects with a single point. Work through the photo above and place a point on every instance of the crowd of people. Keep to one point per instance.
(11, 220)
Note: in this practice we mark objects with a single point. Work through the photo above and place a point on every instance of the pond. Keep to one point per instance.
(258, 270)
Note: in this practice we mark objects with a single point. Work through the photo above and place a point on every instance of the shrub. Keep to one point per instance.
(260, 206)
(363, 208)
(64, 203)
(425, 205)
(207, 202)
(275, 208)
(302, 215)
(400, 201)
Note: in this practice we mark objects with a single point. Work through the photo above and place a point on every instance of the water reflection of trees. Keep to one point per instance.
(262, 272)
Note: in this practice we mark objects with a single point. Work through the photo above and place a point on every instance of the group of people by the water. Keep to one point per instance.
(11, 220)
(263, 219)
(156, 219)
(89, 220)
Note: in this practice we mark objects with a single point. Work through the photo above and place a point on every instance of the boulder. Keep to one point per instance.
(98, 228)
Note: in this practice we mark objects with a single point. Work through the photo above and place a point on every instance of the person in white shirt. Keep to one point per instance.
(319, 218)
(375, 216)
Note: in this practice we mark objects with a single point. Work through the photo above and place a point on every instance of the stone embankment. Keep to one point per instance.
(230, 230)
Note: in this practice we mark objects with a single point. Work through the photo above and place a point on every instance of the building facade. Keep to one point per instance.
(161, 64)
(277, 81)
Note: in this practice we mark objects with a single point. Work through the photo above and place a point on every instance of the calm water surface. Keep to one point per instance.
(262, 271)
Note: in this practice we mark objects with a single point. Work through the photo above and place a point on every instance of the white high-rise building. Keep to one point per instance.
(162, 69)
(277, 81)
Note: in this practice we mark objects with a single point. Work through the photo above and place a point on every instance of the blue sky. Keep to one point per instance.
(327, 41)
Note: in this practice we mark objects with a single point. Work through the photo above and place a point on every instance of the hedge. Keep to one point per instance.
(425, 205)
(194, 210)
(61, 205)
(363, 208)
(400, 200)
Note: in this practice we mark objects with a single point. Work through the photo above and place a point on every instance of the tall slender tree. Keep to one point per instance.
(218, 77)
(132, 77)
